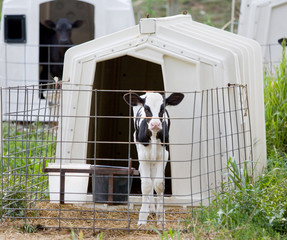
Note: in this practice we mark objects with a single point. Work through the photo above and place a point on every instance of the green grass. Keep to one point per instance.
(23, 181)
(250, 209)
(25, 146)
(168, 235)
(276, 107)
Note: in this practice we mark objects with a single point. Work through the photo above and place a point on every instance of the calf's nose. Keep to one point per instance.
(155, 125)
(64, 41)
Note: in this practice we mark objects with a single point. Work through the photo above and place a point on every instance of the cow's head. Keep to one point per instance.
(154, 106)
(63, 29)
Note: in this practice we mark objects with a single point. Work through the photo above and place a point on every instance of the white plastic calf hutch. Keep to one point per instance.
(172, 54)
(20, 62)
(265, 22)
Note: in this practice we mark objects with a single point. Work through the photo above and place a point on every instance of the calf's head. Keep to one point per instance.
(63, 29)
(154, 107)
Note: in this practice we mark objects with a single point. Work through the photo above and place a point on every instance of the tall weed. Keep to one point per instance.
(248, 208)
(275, 91)
(21, 165)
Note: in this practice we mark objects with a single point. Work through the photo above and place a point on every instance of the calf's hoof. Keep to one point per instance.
(142, 222)
(160, 218)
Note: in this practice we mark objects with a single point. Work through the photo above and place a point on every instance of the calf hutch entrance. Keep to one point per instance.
(121, 73)
(78, 148)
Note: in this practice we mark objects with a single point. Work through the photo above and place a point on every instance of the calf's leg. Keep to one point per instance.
(147, 189)
(158, 182)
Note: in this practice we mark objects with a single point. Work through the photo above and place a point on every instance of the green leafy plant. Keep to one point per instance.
(28, 228)
(167, 235)
(100, 236)
(80, 236)
(23, 181)
(247, 208)
(275, 91)
(240, 178)
(75, 236)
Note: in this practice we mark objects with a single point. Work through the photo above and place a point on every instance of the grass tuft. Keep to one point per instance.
(275, 91)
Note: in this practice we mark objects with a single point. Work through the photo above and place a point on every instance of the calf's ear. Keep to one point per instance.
(174, 99)
(133, 99)
(77, 23)
(50, 24)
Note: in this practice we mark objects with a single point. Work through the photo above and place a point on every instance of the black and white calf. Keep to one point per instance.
(152, 125)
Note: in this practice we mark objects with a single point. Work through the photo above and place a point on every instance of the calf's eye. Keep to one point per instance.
(147, 111)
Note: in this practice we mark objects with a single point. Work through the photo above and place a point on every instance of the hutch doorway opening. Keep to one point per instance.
(112, 131)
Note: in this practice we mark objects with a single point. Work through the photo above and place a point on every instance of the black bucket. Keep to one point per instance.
(112, 188)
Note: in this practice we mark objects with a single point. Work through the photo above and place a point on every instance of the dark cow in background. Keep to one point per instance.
(55, 39)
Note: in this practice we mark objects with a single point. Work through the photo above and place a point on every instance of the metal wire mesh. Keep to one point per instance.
(45, 184)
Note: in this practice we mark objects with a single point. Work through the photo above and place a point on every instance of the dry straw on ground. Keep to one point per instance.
(113, 222)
